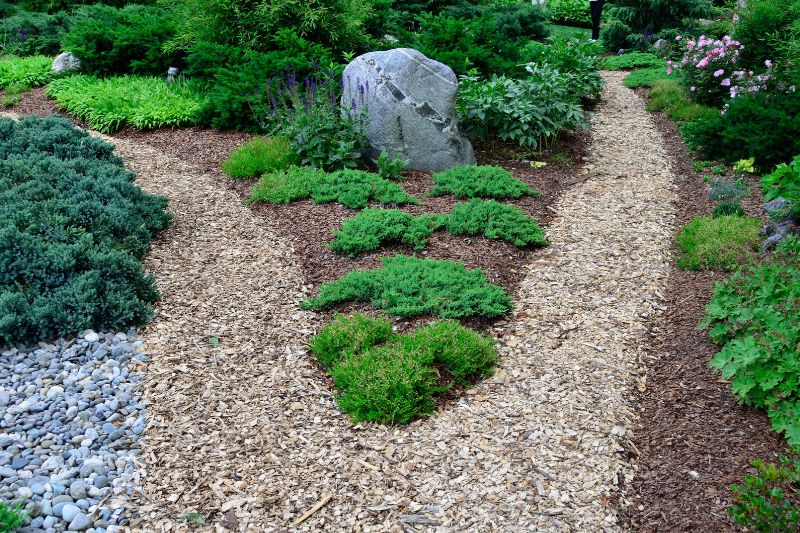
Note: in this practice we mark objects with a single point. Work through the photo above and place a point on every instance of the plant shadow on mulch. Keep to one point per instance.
(693, 440)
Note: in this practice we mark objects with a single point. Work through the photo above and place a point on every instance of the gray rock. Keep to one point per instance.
(660, 44)
(81, 522)
(65, 62)
(778, 206)
(69, 511)
(409, 101)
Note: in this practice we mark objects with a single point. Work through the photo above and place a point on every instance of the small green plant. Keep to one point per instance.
(767, 501)
(719, 170)
(11, 518)
(410, 286)
(24, 72)
(193, 517)
(373, 228)
(473, 181)
(727, 191)
(725, 242)
(494, 220)
(347, 335)
(728, 209)
(259, 155)
(697, 166)
(633, 60)
(784, 182)
(107, 104)
(390, 167)
(352, 188)
(645, 77)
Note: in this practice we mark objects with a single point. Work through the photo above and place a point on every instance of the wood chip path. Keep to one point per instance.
(247, 433)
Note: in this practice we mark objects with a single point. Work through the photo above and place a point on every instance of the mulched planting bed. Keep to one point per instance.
(693, 440)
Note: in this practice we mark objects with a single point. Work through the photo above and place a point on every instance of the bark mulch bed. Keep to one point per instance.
(694, 441)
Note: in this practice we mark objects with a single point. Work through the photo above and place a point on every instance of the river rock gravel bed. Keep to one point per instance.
(70, 421)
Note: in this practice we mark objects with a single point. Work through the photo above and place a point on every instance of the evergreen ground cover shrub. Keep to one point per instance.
(25, 72)
(723, 242)
(753, 316)
(767, 502)
(258, 156)
(373, 228)
(645, 77)
(632, 60)
(409, 286)
(484, 181)
(494, 220)
(27, 34)
(392, 378)
(639, 23)
(74, 228)
(352, 188)
(107, 104)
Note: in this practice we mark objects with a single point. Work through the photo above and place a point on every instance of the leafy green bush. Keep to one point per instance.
(576, 59)
(27, 34)
(632, 60)
(409, 286)
(638, 23)
(259, 155)
(665, 94)
(352, 188)
(754, 315)
(107, 104)
(390, 167)
(11, 518)
(107, 40)
(728, 209)
(572, 12)
(484, 181)
(530, 112)
(764, 502)
(762, 26)
(784, 182)
(372, 228)
(390, 378)
(724, 242)
(646, 77)
(771, 126)
(26, 72)
(73, 228)
(347, 335)
(52, 6)
(465, 354)
(494, 220)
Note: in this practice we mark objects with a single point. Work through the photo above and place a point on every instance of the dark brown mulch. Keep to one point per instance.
(694, 441)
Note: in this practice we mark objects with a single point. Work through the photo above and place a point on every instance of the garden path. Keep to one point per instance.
(246, 432)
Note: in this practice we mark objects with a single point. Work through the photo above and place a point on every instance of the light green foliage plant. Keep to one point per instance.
(766, 502)
(11, 518)
(784, 182)
(494, 220)
(668, 96)
(575, 59)
(473, 181)
(632, 60)
(409, 286)
(645, 77)
(285, 186)
(575, 12)
(107, 104)
(753, 316)
(259, 155)
(724, 242)
(73, 229)
(33, 71)
(393, 378)
(372, 228)
(390, 167)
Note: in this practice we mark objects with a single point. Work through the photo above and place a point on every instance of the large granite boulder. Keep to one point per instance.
(409, 101)
(64, 62)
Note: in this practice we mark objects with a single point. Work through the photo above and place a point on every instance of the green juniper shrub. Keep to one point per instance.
(108, 40)
(258, 156)
(728, 209)
(571, 12)
(463, 353)
(22, 73)
(645, 77)
(53, 6)
(632, 60)
(765, 501)
(639, 23)
(494, 220)
(386, 384)
(285, 186)
(11, 518)
(784, 182)
(724, 242)
(410, 286)
(107, 104)
(27, 34)
(771, 125)
(532, 111)
(74, 228)
(390, 167)
(576, 59)
(347, 335)
(373, 228)
(753, 316)
(484, 181)
(356, 188)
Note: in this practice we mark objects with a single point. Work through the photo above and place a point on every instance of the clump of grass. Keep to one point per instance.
(25, 72)
(724, 242)
(632, 60)
(473, 181)
(410, 286)
(258, 156)
(107, 104)
(494, 220)
(645, 77)
(11, 518)
(668, 96)
(352, 188)
(373, 228)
